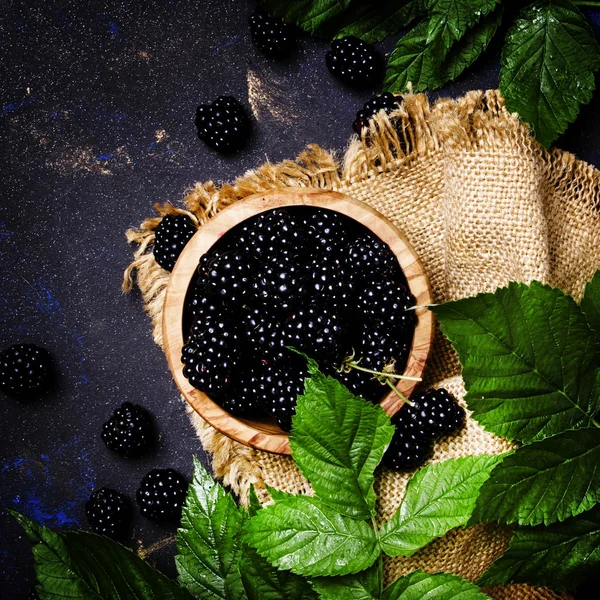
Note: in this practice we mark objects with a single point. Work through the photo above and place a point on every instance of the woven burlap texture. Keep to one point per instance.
(483, 204)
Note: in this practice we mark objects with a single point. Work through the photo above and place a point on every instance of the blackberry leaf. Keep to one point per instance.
(438, 498)
(373, 23)
(449, 20)
(207, 541)
(365, 585)
(307, 537)
(337, 441)
(548, 66)
(309, 15)
(529, 360)
(558, 556)
(441, 586)
(414, 60)
(544, 482)
(86, 566)
(590, 303)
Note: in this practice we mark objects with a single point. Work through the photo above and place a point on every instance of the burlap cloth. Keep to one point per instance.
(483, 204)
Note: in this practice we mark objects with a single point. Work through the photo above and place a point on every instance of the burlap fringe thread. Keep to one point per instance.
(476, 122)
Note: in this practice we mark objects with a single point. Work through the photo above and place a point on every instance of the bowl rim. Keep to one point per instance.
(262, 434)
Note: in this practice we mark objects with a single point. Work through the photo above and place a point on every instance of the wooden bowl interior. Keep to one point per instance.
(264, 433)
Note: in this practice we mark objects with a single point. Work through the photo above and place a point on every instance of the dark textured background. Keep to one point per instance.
(98, 100)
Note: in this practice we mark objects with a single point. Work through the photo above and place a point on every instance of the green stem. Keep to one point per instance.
(399, 394)
(390, 375)
(587, 3)
(594, 422)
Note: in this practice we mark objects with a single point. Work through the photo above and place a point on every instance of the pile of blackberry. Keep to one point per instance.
(303, 277)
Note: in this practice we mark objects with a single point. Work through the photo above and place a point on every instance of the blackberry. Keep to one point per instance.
(407, 450)
(385, 304)
(228, 275)
(279, 231)
(368, 257)
(223, 124)
(25, 371)
(264, 335)
(33, 595)
(317, 331)
(130, 431)
(385, 101)
(203, 301)
(354, 62)
(109, 513)
(161, 495)
(271, 35)
(280, 284)
(171, 236)
(277, 389)
(241, 401)
(326, 229)
(435, 412)
(211, 354)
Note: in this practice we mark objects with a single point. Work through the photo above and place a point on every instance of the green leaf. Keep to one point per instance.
(365, 585)
(337, 441)
(412, 61)
(449, 20)
(528, 358)
(374, 22)
(558, 556)
(304, 535)
(309, 15)
(438, 498)
(544, 482)
(86, 566)
(590, 303)
(464, 53)
(207, 541)
(254, 504)
(548, 66)
(264, 582)
(441, 586)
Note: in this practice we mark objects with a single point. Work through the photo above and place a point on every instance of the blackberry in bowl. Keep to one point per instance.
(310, 269)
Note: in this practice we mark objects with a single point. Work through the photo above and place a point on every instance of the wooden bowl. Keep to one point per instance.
(264, 433)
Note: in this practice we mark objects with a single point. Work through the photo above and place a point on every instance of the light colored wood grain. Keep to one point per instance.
(264, 434)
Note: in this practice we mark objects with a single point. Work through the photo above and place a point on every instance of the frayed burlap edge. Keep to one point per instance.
(477, 121)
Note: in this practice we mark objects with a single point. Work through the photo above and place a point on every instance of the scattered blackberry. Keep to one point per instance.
(354, 62)
(317, 331)
(271, 35)
(407, 450)
(25, 371)
(223, 124)
(109, 513)
(368, 258)
(435, 413)
(161, 495)
(264, 335)
(130, 431)
(277, 389)
(385, 304)
(386, 101)
(211, 354)
(171, 236)
(228, 275)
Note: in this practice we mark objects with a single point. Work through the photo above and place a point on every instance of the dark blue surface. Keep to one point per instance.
(96, 125)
